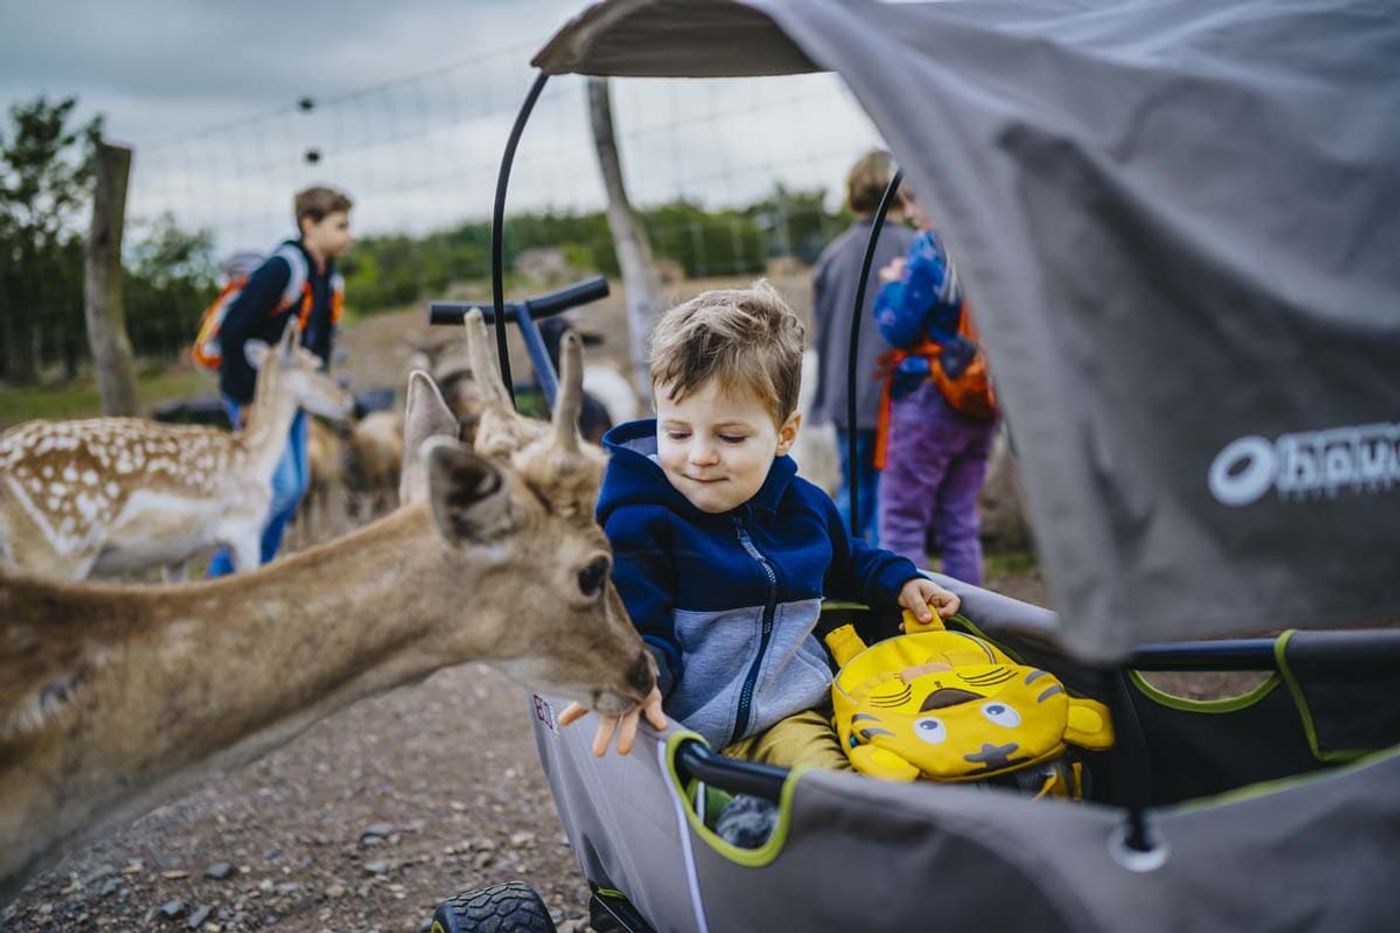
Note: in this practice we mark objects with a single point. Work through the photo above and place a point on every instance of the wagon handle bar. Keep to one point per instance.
(539, 307)
(694, 759)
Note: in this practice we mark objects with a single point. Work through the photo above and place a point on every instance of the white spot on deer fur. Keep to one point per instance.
(87, 507)
(113, 490)
(124, 465)
(48, 472)
(36, 486)
(70, 474)
(52, 504)
(58, 489)
(90, 477)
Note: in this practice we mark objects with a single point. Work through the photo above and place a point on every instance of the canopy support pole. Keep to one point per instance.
(852, 354)
(497, 229)
(1142, 851)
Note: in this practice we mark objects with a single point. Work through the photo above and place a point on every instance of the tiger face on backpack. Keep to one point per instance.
(207, 353)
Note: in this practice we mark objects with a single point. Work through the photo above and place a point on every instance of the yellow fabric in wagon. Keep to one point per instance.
(948, 706)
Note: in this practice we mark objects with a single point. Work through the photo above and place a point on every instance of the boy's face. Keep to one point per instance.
(330, 236)
(716, 447)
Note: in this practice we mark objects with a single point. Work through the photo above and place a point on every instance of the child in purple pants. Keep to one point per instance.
(936, 458)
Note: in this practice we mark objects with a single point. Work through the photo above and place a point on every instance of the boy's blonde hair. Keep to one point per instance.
(319, 202)
(747, 338)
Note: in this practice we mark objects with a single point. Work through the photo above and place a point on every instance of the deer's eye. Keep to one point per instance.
(592, 577)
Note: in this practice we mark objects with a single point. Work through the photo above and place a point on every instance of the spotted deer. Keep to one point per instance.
(117, 495)
(118, 697)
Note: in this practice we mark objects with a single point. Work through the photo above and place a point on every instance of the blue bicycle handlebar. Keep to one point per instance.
(538, 307)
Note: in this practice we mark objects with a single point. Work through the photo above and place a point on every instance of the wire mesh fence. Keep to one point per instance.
(726, 175)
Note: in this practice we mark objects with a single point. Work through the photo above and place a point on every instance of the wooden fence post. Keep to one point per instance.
(102, 284)
(629, 238)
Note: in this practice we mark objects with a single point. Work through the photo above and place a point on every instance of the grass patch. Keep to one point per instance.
(80, 398)
(1009, 563)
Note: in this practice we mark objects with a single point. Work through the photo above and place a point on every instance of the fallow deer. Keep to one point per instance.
(114, 495)
(116, 697)
(372, 455)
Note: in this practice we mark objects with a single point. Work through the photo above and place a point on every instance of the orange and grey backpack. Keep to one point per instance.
(971, 392)
(207, 353)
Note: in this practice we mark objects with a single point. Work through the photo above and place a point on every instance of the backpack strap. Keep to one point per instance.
(337, 298)
(300, 272)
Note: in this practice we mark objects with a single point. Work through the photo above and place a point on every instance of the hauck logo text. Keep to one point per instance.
(1363, 459)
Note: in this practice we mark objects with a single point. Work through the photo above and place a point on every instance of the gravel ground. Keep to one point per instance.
(362, 823)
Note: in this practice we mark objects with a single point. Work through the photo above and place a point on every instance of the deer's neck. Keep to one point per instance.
(264, 435)
(295, 641)
(311, 633)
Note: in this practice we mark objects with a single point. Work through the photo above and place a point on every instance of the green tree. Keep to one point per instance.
(171, 277)
(45, 179)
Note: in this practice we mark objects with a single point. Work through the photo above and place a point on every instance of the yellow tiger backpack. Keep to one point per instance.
(947, 706)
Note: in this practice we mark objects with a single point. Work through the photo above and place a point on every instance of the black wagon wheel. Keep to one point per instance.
(513, 907)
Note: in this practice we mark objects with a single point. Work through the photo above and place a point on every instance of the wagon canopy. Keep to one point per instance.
(1179, 224)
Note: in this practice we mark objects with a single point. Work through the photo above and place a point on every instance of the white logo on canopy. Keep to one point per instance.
(1363, 459)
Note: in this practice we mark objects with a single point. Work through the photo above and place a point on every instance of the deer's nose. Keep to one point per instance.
(639, 674)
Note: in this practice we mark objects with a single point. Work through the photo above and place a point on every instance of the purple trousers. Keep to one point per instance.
(934, 468)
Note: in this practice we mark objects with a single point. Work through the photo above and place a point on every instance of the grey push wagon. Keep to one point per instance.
(1180, 223)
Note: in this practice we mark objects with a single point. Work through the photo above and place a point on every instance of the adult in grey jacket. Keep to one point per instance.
(834, 281)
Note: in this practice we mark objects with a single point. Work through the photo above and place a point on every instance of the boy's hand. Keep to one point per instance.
(892, 272)
(921, 592)
(625, 725)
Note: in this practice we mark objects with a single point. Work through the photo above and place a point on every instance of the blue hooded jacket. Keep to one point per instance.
(926, 302)
(727, 602)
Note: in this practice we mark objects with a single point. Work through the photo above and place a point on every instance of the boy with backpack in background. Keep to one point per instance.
(296, 286)
(939, 410)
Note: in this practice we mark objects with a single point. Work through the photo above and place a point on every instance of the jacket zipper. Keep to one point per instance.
(741, 721)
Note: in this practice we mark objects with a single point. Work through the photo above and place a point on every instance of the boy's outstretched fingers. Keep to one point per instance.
(572, 713)
(651, 709)
(625, 726)
(606, 726)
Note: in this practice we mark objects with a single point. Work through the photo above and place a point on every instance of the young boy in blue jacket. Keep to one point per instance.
(722, 554)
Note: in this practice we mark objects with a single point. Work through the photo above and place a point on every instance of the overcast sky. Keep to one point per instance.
(161, 69)
(413, 101)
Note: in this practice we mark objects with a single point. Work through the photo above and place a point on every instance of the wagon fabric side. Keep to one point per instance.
(1284, 797)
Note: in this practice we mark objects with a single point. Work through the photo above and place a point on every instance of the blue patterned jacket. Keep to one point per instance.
(926, 302)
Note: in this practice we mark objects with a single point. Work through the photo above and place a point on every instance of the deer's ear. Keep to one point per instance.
(287, 345)
(426, 416)
(469, 495)
(255, 352)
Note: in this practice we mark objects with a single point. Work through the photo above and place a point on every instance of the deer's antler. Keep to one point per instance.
(502, 431)
(550, 457)
(565, 470)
